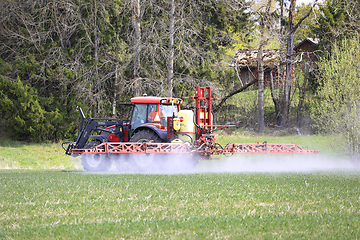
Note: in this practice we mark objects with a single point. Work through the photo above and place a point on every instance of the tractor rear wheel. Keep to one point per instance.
(145, 162)
(95, 162)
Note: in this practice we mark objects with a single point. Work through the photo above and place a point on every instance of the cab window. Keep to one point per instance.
(153, 115)
(169, 110)
(139, 115)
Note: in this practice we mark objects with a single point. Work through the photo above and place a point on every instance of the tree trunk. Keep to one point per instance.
(302, 90)
(137, 47)
(217, 107)
(275, 99)
(96, 57)
(171, 49)
(260, 87)
(289, 65)
(260, 63)
(116, 90)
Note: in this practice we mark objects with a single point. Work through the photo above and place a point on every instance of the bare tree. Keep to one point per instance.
(174, 46)
(264, 21)
(137, 43)
(289, 59)
(171, 48)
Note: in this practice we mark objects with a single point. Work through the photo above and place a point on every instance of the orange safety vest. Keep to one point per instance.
(154, 116)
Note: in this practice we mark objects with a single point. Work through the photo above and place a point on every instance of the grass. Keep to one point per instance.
(23, 155)
(328, 145)
(59, 204)
(46, 195)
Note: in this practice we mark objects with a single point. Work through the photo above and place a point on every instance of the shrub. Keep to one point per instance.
(338, 108)
(22, 115)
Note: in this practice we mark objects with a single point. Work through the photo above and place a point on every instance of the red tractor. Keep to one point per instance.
(157, 129)
(151, 120)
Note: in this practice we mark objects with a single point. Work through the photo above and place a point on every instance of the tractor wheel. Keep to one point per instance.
(145, 162)
(95, 162)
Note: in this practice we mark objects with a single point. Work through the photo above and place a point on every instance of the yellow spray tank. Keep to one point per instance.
(187, 126)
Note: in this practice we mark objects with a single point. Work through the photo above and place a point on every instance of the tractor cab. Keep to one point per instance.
(153, 111)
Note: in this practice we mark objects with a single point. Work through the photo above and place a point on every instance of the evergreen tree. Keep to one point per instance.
(77, 52)
(339, 19)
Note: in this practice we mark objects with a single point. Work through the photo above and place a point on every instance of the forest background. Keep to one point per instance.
(57, 55)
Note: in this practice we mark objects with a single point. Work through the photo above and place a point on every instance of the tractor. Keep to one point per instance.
(157, 131)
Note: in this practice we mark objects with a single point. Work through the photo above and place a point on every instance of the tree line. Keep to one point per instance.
(56, 55)
(94, 53)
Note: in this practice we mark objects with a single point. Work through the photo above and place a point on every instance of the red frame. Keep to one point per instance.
(204, 151)
(203, 107)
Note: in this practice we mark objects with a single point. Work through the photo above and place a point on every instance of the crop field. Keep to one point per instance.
(45, 194)
(65, 204)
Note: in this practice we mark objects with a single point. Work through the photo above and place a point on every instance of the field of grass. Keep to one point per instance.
(330, 145)
(23, 155)
(62, 204)
(46, 195)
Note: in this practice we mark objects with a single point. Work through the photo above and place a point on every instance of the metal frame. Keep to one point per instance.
(205, 150)
(135, 147)
(265, 148)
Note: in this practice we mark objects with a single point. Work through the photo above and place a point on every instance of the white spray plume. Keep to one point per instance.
(277, 163)
(251, 163)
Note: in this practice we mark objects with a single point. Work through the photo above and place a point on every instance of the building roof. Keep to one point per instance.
(309, 40)
(271, 57)
(247, 57)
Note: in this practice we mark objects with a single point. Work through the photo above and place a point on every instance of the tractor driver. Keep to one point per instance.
(154, 114)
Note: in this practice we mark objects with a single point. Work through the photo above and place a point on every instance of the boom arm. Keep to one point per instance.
(97, 124)
(94, 124)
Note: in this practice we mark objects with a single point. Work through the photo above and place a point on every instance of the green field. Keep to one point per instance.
(55, 204)
(47, 195)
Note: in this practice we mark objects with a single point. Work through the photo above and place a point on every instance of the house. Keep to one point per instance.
(306, 50)
(306, 45)
(244, 61)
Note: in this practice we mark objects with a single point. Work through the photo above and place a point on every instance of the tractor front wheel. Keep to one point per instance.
(95, 162)
(145, 162)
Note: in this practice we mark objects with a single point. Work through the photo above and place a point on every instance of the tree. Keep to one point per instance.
(289, 58)
(305, 29)
(137, 43)
(182, 44)
(339, 19)
(264, 23)
(91, 53)
(338, 108)
(284, 36)
(171, 49)
(23, 116)
(66, 49)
